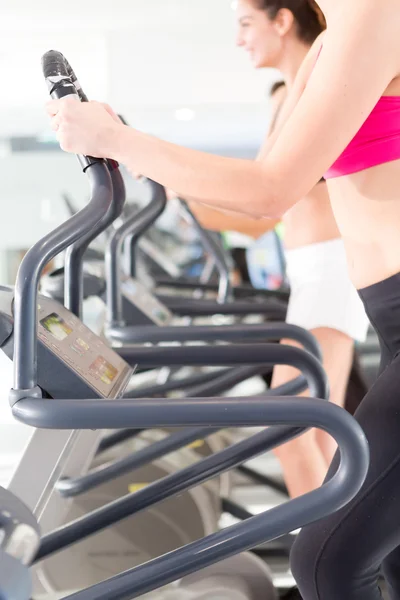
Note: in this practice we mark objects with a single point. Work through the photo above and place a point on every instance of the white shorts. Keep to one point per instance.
(322, 294)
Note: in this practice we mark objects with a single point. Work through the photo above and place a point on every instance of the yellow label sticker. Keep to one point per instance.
(136, 487)
(196, 444)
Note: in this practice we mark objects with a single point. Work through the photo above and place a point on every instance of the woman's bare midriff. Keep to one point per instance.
(368, 222)
(311, 220)
(366, 206)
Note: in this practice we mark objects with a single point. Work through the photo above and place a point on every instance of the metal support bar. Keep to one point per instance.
(332, 496)
(74, 487)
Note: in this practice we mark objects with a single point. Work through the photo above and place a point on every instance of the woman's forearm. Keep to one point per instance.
(217, 220)
(240, 185)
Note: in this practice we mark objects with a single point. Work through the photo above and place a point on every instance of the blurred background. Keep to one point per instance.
(171, 67)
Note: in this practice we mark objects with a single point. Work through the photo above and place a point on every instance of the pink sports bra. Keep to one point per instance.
(376, 143)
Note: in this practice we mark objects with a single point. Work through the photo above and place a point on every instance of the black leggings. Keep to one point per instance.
(342, 556)
(357, 386)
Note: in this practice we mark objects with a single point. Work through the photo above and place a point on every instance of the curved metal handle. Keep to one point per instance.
(69, 487)
(143, 414)
(226, 382)
(73, 297)
(135, 226)
(72, 487)
(63, 82)
(231, 355)
(332, 496)
(272, 307)
(232, 333)
(26, 287)
(142, 222)
(174, 385)
(224, 288)
(116, 438)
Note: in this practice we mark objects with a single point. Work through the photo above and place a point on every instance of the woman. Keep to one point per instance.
(323, 298)
(342, 120)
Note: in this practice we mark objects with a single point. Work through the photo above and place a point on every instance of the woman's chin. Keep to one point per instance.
(258, 63)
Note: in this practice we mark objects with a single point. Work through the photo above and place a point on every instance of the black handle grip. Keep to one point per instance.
(61, 82)
(59, 74)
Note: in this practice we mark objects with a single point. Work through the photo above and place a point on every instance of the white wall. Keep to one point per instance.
(136, 54)
(32, 186)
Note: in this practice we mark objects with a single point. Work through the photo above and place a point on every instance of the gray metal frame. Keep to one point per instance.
(223, 333)
(133, 227)
(333, 495)
(20, 532)
(55, 452)
(220, 384)
(201, 471)
(176, 384)
(52, 450)
(129, 234)
(229, 355)
(272, 307)
(15, 579)
(19, 542)
(224, 287)
(141, 223)
(69, 487)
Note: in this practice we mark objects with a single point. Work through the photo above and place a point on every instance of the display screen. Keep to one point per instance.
(56, 326)
(80, 346)
(103, 370)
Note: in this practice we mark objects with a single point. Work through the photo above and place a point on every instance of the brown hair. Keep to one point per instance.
(276, 86)
(310, 21)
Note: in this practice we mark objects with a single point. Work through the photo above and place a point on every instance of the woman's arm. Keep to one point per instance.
(358, 61)
(284, 102)
(217, 220)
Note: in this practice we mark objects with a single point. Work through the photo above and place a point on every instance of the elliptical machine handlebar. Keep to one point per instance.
(73, 283)
(130, 232)
(61, 81)
(141, 222)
